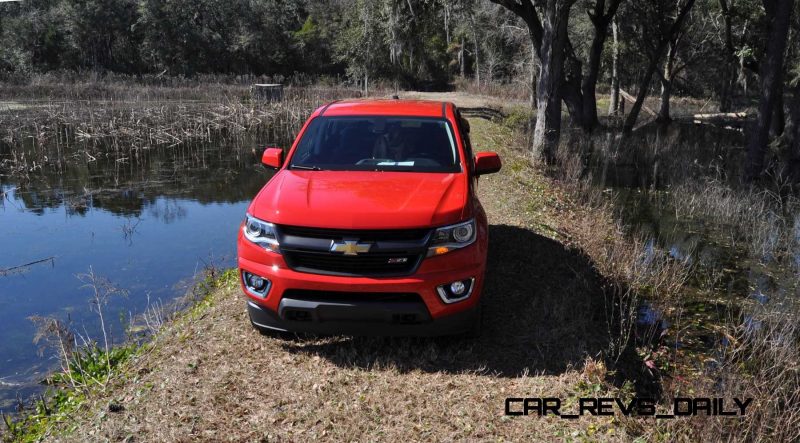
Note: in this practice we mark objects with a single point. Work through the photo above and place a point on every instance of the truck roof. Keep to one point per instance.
(395, 107)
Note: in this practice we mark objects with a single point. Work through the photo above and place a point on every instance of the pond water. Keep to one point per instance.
(726, 282)
(148, 225)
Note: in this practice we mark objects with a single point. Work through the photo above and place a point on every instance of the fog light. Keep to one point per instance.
(458, 287)
(255, 284)
(456, 291)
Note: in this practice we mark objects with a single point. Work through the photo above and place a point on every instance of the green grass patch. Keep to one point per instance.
(89, 370)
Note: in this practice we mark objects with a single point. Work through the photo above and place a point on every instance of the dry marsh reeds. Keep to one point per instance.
(120, 122)
(166, 122)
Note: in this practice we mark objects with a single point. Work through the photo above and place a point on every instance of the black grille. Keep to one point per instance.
(365, 235)
(367, 264)
(389, 253)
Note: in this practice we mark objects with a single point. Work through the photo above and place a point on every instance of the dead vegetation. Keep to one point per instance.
(143, 123)
(121, 124)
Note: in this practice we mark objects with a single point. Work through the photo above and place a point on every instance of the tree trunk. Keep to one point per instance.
(730, 71)
(666, 86)
(589, 87)
(571, 89)
(532, 76)
(778, 13)
(461, 57)
(644, 85)
(394, 53)
(630, 121)
(741, 73)
(550, 42)
(613, 103)
(447, 23)
(477, 52)
(600, 20)
(663, 110)
(793, 146)
(778, 116)
(532, 97)
(547, 132)
(367, 19)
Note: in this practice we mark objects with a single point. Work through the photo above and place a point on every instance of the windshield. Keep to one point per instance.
(412, 144)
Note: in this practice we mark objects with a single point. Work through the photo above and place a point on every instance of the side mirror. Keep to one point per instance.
(272, 158)
(487, 163)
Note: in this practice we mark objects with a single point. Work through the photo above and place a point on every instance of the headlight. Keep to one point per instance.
(449, 238)
(261, 233)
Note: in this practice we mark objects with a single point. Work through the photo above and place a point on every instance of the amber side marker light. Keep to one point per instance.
(441, 250)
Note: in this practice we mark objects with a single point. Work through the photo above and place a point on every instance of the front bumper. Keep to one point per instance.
(359, 318)
(364, 316)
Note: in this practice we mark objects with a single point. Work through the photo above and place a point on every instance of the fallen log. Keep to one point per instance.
(483, 112)
(721, 115)
(629, 98)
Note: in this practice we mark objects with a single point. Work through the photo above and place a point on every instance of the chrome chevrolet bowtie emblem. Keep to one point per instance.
(350, 247)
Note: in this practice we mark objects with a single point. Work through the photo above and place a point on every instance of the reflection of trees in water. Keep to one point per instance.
(78, 204)
(659, 155)
(167, 210)
(223, 171)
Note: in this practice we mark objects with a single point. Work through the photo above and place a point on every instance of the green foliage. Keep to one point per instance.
(308, 32)
(89, 365)
(414, 44)
(88, 370)
(399, 40)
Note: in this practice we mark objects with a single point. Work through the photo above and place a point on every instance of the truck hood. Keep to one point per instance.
(362, 200)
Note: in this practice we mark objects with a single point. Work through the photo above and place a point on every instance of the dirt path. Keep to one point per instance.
(210, 376)
(464, 100)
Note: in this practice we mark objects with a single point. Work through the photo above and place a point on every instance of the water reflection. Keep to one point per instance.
(733, 277)
(658, 156)
(760, 297)
(649, 316)
(146, 222)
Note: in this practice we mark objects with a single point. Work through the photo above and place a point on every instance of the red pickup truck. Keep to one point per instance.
(371, 224)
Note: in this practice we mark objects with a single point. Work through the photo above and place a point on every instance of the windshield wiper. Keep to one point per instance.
(308, 168)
